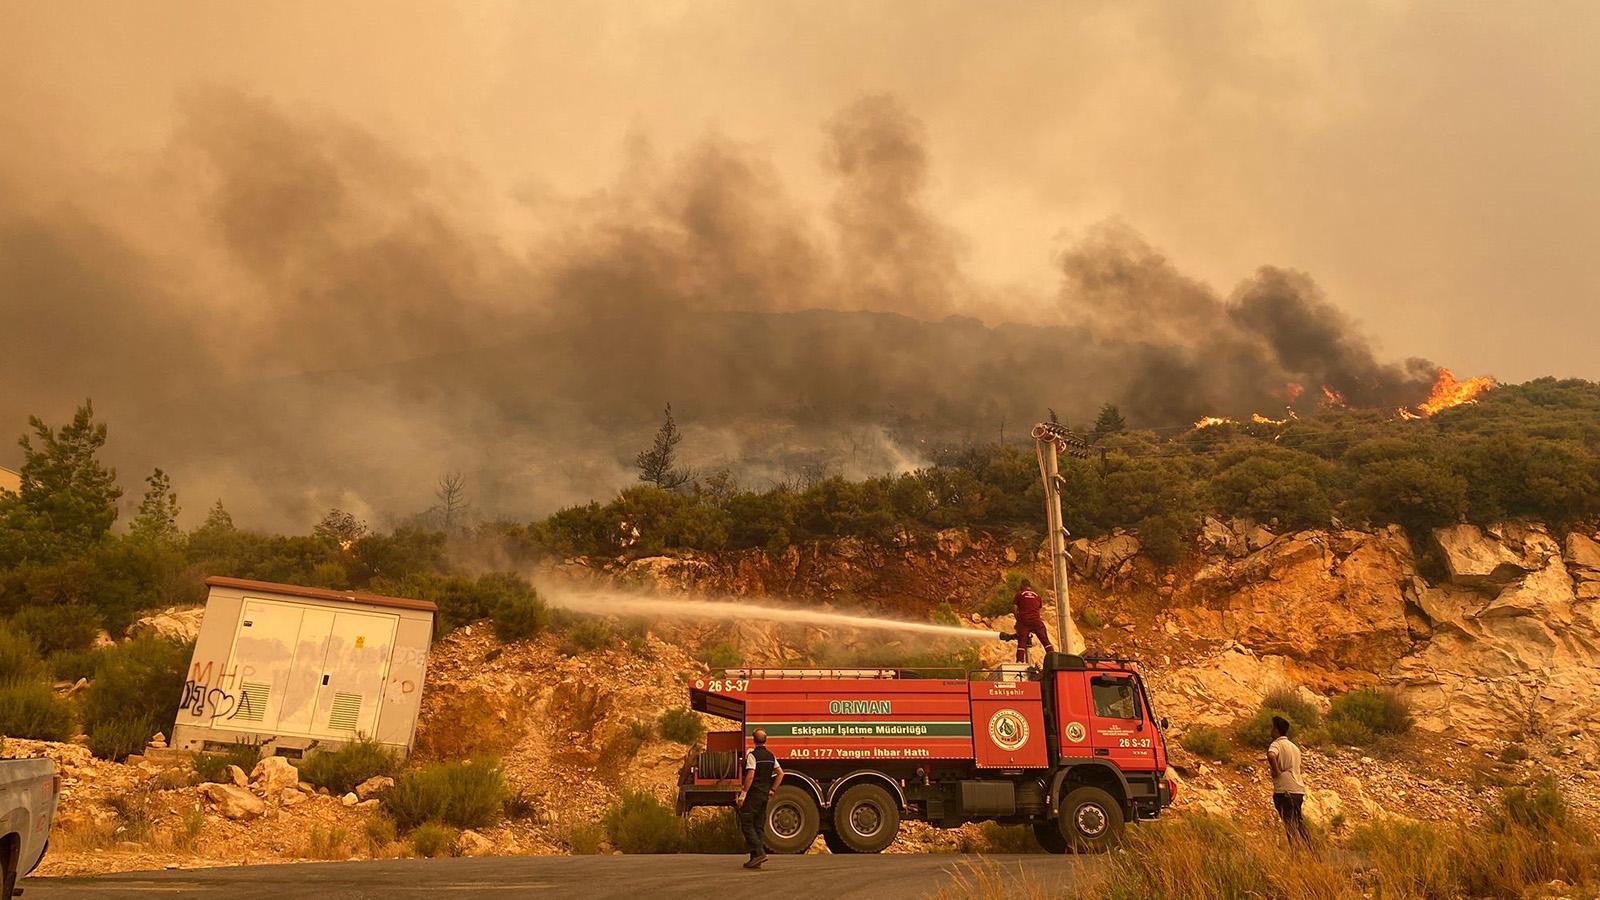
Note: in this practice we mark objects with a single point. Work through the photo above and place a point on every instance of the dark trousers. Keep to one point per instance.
(1294, 822)
(753, 821)
(1025, 634)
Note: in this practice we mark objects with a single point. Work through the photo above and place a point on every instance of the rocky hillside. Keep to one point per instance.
(1492, 634)
(1501, 641)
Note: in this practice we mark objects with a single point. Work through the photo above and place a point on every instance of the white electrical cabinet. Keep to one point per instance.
(302, 667)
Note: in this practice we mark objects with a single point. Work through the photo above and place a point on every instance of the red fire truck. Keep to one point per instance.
(1072, 749)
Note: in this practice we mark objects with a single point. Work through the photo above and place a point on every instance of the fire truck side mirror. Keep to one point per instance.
(1164, 725)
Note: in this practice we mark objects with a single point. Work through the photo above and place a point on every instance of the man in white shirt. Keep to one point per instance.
(1288, 788)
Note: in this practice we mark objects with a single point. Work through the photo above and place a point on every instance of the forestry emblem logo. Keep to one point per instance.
(1008, 729)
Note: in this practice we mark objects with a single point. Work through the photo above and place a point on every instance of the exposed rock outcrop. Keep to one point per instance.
(181, 624)
(1515, 648)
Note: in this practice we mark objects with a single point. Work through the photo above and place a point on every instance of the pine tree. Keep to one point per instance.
(656, 464)
(218, 519)
(68, 499)
(1109, 421)
(158, 511)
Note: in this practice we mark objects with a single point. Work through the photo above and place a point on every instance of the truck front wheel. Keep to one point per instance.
(866, 819)
(1091, 820)
(792, 821)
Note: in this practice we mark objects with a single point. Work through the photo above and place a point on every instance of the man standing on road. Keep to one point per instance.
(1288, 788)
(762, 775)
(1029, 623)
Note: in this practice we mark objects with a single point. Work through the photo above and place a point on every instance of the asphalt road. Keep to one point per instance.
(892, 877)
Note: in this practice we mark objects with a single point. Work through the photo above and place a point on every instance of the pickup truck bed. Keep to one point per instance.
(28, 789)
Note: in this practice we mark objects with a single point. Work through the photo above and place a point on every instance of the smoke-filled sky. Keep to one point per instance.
(313, 254)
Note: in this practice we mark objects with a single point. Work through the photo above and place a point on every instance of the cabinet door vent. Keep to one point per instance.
(253, 697)
(345, 712)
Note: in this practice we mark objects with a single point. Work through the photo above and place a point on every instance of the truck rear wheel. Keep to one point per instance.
(866, 819)
(1050, 837)
(1091, 820)
(836, 844)
(792, 821)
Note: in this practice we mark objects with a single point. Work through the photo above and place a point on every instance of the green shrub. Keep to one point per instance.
(681, 725)
(71, 665)
(1090, 617)
(380, 832)
(720, 656)
(119, 739)
(341, 770)
(1204, 740)
(1347, 732)
(712, 831)
(584, 839)
(58, 626)
(463, 794)
(640, 823)
(33, 711)
(1513, 753)
(519, 616)
(136, 687)
(19, 658)
(998, 602)
(589, 633)
(1538, 807)
(1378, 712)
(1255, 730)
(213, 765)
(433, 839)
(944, 614)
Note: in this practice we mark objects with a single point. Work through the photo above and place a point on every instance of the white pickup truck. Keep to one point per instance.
(28, 790)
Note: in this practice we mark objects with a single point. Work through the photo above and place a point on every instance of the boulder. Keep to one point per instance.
(233, 802)
(1583, 552)
(291, 796)
(274, 773)
(238, 777)
(471, 843)
(183, 624)
(374, 787)
(350, 799)
(1475, 558)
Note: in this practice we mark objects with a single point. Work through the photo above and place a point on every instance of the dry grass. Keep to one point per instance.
(1519, 850)
(985, 879)
(327, 843)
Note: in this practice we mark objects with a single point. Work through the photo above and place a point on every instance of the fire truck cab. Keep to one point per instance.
(1072, 749)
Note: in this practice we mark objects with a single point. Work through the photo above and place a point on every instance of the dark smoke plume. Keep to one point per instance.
(296, 315)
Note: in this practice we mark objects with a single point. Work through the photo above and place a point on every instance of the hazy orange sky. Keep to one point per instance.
(1433, 165)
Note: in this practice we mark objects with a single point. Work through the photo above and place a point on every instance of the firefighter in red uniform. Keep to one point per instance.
(1029, 622)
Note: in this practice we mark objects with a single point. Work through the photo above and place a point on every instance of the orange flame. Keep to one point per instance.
(1259, 419)
(1407, 414)
(1293, 390)
(1448, 392)
(1210, 421)
(1333, 397)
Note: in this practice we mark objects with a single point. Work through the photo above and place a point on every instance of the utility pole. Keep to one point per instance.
(1052, 439)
